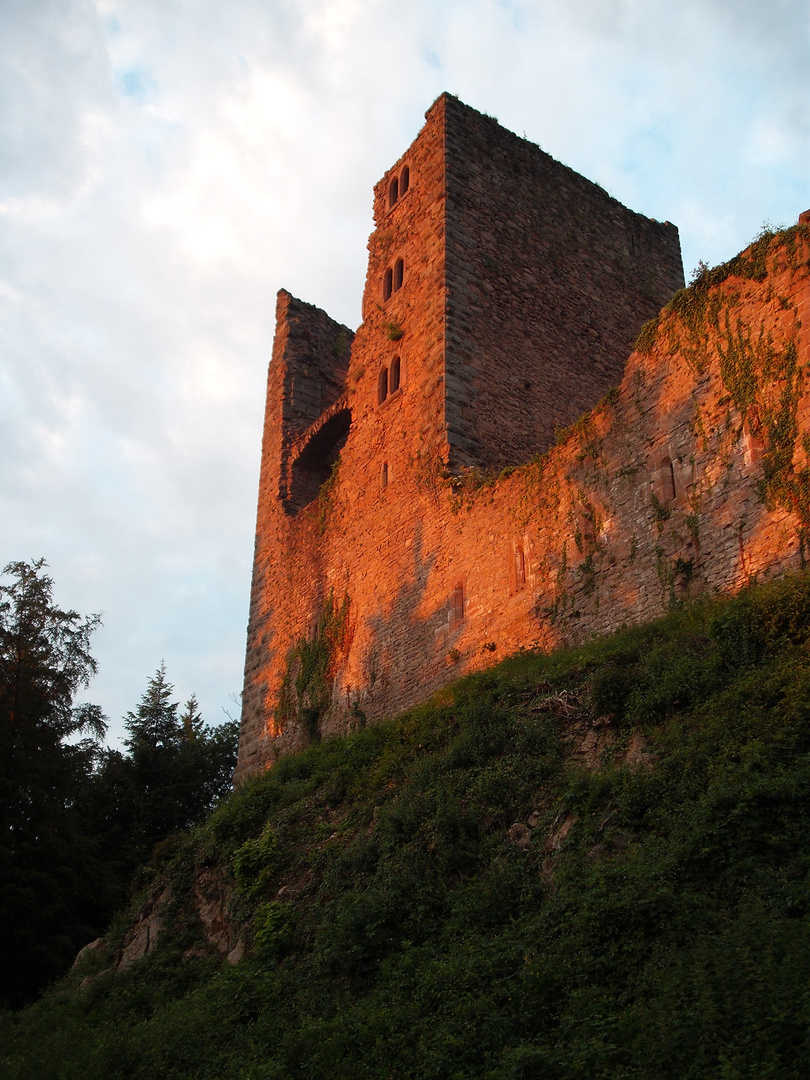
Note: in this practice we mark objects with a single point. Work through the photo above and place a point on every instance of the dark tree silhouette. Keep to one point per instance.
(76, 819)
(174, 772)
(48, 748)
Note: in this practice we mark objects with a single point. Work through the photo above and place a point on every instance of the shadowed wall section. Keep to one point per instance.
(548, 281)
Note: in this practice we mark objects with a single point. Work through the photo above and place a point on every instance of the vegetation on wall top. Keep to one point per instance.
(751, 264)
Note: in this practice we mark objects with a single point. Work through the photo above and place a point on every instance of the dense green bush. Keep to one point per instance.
(656, 924)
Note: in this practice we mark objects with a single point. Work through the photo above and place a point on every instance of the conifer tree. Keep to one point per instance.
(76, 819)
(191, 720)
(155, 723)
(50, 879)
(175, 771)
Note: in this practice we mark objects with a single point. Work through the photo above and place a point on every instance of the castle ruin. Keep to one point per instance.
(480, 468)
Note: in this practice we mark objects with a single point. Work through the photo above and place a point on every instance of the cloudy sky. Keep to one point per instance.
(167, 165)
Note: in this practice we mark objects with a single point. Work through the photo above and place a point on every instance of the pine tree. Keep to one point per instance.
(154, 723)
(50, 880)
(191, 720)
(76, 820)
(175, 771)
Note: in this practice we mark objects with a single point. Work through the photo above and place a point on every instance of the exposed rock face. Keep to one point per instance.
(212, 903)
(558, 834)
(520, 835)
(637, 755)
(209, 900)
(146, 930)
(84, 953)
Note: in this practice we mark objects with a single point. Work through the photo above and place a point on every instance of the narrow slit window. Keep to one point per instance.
(393, 192)
(384, 475)
(520, 568)
(399, 274)
(388, 284)
(382, 386)
(393, 375)
(668, 480)
(457, 605)
(405, 180)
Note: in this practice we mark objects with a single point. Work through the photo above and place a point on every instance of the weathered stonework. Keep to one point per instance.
(503, 296)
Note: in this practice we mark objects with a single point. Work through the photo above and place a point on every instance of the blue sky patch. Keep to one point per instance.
(137, 83)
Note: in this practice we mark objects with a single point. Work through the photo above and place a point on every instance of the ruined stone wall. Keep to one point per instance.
(692, 477)
(382, 567)
(549, 280)
(306, 373)
(400, 436)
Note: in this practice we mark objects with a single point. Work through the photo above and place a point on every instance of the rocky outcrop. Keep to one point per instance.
(208, 901)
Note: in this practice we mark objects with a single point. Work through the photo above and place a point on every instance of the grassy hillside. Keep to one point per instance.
(593, 864)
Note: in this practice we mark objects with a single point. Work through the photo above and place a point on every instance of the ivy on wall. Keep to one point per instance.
(326, 497)
(306, 691)
(764, 379)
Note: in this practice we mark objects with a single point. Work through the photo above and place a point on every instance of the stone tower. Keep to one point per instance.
(503, 295)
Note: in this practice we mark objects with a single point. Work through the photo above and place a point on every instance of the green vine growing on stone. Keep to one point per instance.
(764, 381)
(766, 385)
(699, 304)
(647, 336)
(326, 496)
(306, 690)
(554, 612)
(467, 485)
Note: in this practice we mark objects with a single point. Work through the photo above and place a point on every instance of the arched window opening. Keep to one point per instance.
(399, 273)
(520, 568)
(457, 604)
(393, 192)
(313, 467)
(382, 385)
(405, 180)
(384, 475)
(388, 284)
(393, 375)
